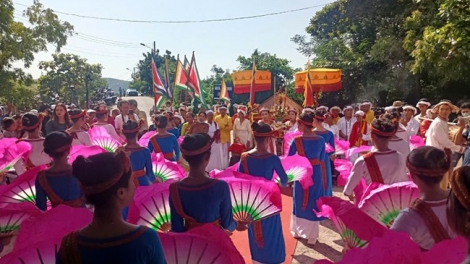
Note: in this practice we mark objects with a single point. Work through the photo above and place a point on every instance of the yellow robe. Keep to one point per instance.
(225, 125)
(370, 116)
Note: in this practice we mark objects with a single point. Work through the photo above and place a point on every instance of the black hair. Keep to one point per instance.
(190, 113)
(43, 108)
(429, 158)
(260, 128)
(384, 125)
(465, 105)
(393, 116)
(202, 113)
(98, 114)
(321, 114)
(161, 121)
(56, 140)
(28, 120)
(423, 100)
(97, 169)
(76, 112)
(130, 125)
(7, 122)
(307, 117)
(194, 142)
(122, 102)
(132, 102)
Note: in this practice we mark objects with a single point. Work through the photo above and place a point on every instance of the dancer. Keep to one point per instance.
(102, 116)
(199, 199)
(106, 180)
(78, 119)
(382, 165)
(57, 183)
(265, 236)
(164, 142)
(395, 142)
(425, 221)
(329, 138)
(304, 222)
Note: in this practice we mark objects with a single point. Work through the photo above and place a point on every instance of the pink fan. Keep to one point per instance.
(354, 151)
(416, 142)
(107, 143)
(144, 140)
(288, 139)
(180, 139)
(297, 168)
(85, 151)
(397, 247)
(356, 227)
(385, 203)
(205, 244)
(344, 168)
(167, 170)
(5, 145)
(329, 148)
(13, 215)
(253, 198)
(100, 132)
(43, 251)
(52, 224)
(341, 146)
(20, 190)
(151, 207)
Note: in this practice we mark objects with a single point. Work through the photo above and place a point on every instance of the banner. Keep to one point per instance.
(217, 91)
(322, 80)
(242, 81)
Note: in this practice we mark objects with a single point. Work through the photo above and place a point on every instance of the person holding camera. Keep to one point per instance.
(126, 114)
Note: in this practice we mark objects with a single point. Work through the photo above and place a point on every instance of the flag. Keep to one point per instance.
(308, 91)
(195, 84)
(158, 101)
(168, 87)
(158, 86)
(224, 92)
(252, 86)
(181, 76)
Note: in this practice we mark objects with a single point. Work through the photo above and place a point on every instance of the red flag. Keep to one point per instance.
(252, 93)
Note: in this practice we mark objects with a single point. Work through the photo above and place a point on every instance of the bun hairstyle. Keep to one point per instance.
(261, 131)
(458, 203)
(76, 115)
(196, 148)
(57, 143)
(30, 121)
(394, 116)
(161, 121)
(100, 114)
(101, 175)
(306, 119)
(319, 115)
(130, 129)
(383, 128)
(429, 164)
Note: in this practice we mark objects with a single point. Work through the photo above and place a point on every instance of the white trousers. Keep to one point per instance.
(306, 229)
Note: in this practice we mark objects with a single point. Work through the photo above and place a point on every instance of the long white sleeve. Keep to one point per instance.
(438, 136)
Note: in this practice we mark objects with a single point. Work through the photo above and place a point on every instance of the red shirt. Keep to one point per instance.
(237, 148)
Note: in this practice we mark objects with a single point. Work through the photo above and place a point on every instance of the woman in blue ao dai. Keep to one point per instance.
(164, 142)
(106, 180)
(329, 137)
(141, 163)
(304, 222)
(198, 199)
(265, 236)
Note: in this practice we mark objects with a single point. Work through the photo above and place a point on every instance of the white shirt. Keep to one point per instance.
(403, 133)
(335, 130)
(292, 128)
(83, 138)
(412, 127)
(438, 136)
(391, 165)
(400, 146)
(345, 126)
(119, 122)
(412, 223)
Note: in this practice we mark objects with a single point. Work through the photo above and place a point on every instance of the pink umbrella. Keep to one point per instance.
(288, 139)
(144, 140)
(297, 168)
(416, 142)
(85, 151)
(20, 190)
(355, 227)
(37, 252)
(151, 207)
(56, 222)
(205, 244)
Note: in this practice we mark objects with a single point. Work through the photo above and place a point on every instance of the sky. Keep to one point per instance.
(115, 45)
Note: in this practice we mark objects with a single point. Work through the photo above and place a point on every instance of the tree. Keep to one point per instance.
(21, 43)
(65, 71)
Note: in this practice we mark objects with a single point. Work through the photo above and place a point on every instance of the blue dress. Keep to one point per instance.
(329, 138)
(274, 249)
(205, 203)
(63, 184)
(168, 145)
(175, 131)
(142, 245)
(314, 148)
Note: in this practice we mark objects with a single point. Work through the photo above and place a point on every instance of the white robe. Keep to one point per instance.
(345, 126)
(217, 155)
(242, 131)
(438, 136)
(412, 127)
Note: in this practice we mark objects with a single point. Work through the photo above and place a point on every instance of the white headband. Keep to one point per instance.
(424, 103)
(307, 110)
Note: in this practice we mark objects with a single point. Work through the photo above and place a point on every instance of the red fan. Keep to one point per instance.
(38, 252)
(355, 227)
(205, 244)
(151, 207)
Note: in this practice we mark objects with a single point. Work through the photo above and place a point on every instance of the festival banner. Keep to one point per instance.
(322, 80)
(218, 88)
(242, 81)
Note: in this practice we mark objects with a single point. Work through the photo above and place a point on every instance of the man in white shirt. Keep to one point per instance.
(345, 123)
(411, 124)
(124, 117)
(423, 105)
(141, 114)
(438, 133)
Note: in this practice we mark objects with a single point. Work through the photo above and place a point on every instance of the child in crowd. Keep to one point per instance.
(9, 128)
(236, 149)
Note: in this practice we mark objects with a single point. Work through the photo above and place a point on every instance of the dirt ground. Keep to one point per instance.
(328, 246)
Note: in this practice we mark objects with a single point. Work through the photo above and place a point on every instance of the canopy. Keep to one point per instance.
(242, 81)
(322, 80)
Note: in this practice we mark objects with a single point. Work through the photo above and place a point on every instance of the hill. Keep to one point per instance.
(114, 84)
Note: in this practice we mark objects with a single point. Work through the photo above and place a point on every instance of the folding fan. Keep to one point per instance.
(344, 168)
(13, 215)
(99, 131)
(39, 252)
(144, 140)
(385, 203)
(297, 168)
(253, 198)
(200, 245)
(107, 143)
(341, 146)
(180, 139)
(355, 151)
(288, 139)
(355, 227)
(329, 148)
(20, 190)
(416, 142)
(167, 170)
(86, 151)
(6, 167)
(151, 207)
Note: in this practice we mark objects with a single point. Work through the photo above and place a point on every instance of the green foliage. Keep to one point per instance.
(66, 71)
(20, 95)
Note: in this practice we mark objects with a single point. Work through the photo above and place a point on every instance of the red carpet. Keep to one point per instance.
(240, 239)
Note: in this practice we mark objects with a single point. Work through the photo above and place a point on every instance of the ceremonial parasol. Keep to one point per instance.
(322, 80)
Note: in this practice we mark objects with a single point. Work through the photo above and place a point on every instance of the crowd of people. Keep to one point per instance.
(212, 140)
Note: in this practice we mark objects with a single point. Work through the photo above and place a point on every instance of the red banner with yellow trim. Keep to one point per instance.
(242, 81)
(322, 80)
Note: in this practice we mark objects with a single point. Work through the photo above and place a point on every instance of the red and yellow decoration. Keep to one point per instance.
(322, 80)
(242, 81)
